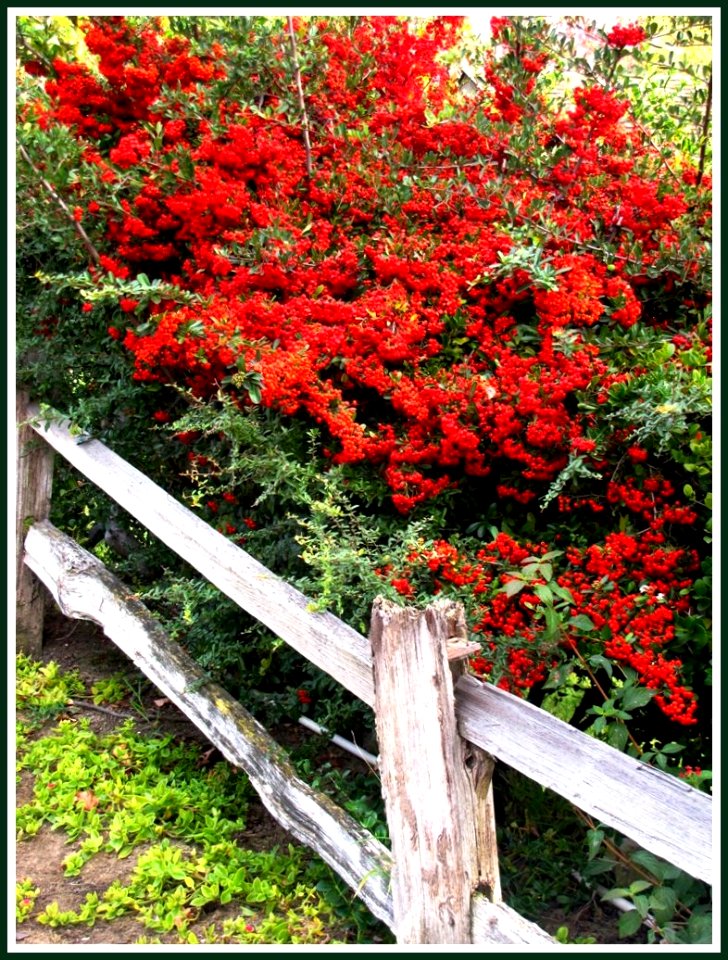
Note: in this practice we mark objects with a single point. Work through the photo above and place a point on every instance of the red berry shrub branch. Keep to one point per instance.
(489, 302)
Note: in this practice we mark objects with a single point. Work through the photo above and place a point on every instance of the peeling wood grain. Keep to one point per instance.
(479, 814)
(423, 778)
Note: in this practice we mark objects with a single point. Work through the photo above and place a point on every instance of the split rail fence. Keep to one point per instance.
(439, 730)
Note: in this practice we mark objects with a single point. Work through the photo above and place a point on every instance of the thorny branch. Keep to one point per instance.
(301, 101)
(92, 251)
(704, 132)
(36, 54)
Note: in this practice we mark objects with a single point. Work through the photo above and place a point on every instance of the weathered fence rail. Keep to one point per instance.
(438, 731)
(659, 812)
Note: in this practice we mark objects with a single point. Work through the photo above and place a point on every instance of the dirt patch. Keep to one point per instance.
(81, 646)
(40, 859)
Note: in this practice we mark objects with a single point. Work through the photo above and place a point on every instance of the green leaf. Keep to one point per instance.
(543, 593)
(663, 902)
(553, 623)
(562, 592)
(596, 867)
(513, 587)
(614, 892)
(633, 697)
(594, 839)
(642, 904)
(597, 660)
(582, 622)
(551, 554)
(700, 928)
(654, 865)
(629, 923)
(617, 736)
(639, 886)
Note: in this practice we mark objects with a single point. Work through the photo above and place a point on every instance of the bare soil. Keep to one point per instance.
(81, 646)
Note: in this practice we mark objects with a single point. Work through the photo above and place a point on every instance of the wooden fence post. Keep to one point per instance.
(479, 767)
(34, 481)
(425, 783)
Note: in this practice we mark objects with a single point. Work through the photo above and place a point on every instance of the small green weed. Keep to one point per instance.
(562, 936)
(129, 788)
(42, 691)
(112, 690)
(26, 894)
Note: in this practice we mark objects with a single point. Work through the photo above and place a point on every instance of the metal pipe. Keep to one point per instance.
(340, 741)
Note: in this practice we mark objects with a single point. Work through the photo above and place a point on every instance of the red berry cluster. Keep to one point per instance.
(437, 295)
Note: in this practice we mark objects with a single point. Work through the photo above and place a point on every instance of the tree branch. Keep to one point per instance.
(105, 710)
(36, 54)
(704, 137)
(301, 101)
(92, 251)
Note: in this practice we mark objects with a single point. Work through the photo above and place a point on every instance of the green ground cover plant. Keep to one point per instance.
(401, 311)
(149, 798)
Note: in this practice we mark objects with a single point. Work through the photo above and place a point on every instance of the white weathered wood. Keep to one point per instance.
(322, 638)
(34, 482)
(425, 789)
(659, 812)
(499, 923)
(613, 789)
(84, 588)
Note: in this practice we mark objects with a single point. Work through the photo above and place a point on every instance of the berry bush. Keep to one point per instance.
(399, 327)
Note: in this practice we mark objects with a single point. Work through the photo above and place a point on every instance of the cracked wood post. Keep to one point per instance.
(34, 481)
(479, 767)
(425, 783)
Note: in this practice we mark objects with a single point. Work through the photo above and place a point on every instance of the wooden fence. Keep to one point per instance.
(439, 730)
